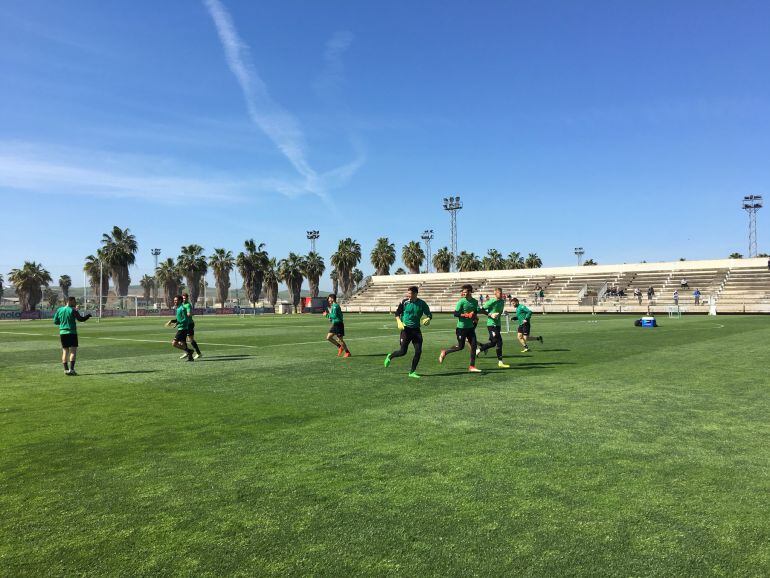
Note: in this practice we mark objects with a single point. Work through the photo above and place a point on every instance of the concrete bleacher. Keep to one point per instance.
(734, 285)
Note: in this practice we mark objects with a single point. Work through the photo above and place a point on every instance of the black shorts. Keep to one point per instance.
(465, 333)
(494, 332)
(524, 328)
(181, 335)
(411, 335)
(337, 329)
(69, 340)
(191, 329)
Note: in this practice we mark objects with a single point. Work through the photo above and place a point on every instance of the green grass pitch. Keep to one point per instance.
(610, 450)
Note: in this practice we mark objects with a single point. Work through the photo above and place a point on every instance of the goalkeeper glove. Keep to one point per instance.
(467, 315)
(425, 321)
(400, 323)
(494, 315)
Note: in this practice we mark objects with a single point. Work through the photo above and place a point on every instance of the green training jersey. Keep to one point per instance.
(410, 312)
(188, 309)
(523, 313)
(335, 313)
(466, 305)
(494, 305)
(66, 318)
(182, 321)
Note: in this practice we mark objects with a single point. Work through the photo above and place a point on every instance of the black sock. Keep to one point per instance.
(66, 366)
(195, 345)
(72, 365)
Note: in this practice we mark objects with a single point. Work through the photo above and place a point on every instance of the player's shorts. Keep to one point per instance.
(181, 335)
(411, 335)
(464, 333)
(494, 332)
(524, 328)
(69, 340)
(337, 329)
(191, 329)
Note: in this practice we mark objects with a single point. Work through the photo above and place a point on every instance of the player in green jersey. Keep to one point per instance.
(66, 318)
(523, 315)
(336, 333)
(493, 309)
(182, 323)
(191, 326)
(410, 314)
(466, 311)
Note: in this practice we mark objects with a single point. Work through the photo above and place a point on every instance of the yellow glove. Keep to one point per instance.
(170, 323)
(425, 321)
(400, 323)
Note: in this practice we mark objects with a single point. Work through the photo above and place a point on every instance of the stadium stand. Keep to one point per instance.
(734, 285)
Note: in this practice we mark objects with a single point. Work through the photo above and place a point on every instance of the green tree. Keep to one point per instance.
(358, 277)
(170, 278)
(533, 261)
(383, 256)
(589, 262)
(222, 263)
(493, 261)
(94, 267)
(468, 262)
(736, 256)
(314, 267)
(191, 263)
(51, 297)
(251, 264)
(148, 285)
(119, 252)
(413, 256)
(344, 260)
(270, 282)
(514, 261)
(400, 271)
(335, 281)
(290, 272)
(28, 282)
(442, 260)
(65, 282)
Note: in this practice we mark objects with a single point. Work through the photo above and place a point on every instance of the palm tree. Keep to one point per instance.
(51, 297)
(65, 282)
(270, 282)
(335, 281)
(589, 262)
(442, 260)
(290, 272)
(383, 256)
(192, 266)
(533, 261)
(468, 262)
(514, 260)
(251, 264)
(400, 271)
(736, 256)
(148, 284)
(493, 261)
(348, 255)
(222, 262)
(413, 256)
(27, 282)
(94, 266)
(170, 278)
(314, 268)
(119, 250)
(357, 276)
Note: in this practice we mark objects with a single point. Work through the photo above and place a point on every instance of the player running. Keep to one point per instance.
(191, 327)
(408, 318)
(493, 309)
(523, 314)
(66, 318)
(182, 322)
(466, 312)
(337, 329)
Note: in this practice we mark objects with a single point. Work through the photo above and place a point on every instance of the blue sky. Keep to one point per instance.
(632, 129)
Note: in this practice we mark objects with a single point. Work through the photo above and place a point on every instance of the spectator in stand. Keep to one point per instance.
(638, 295)
(683, 283)
(696, 294)
(650, 293)
(541, 294)
(621, 293)
(676, 297)
(510, 298)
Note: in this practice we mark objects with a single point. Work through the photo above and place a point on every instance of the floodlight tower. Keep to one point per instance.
(155, 253)
(427, 236)
(312, 236)
(751, 204)
(453, 204)
(579, 252)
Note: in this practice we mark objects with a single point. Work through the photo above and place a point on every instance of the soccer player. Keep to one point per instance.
(182, 322)
(66, 318)
(466, 312)
(523, 315)
(191, 327)
(409, 317)
(337, 330)
(493, 309)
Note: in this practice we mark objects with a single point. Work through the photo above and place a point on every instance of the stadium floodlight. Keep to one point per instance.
(751, 204)
(155, 253)
(579, 252)
(312, 236)
(427, 236)
(452, 205)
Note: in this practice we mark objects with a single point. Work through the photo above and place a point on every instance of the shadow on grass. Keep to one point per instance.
(223, 358)
(554, 350)
(122, 372)
(447, 373)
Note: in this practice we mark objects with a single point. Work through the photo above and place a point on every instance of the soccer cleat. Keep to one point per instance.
(197, 355)
(71, 372)
(441, 356)
(414, 375)
(503, 365)
(183, 356)
(525, 350)
(347, 354)
(339, 351)
(478, 351)
(474, 369)
(387, 360)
